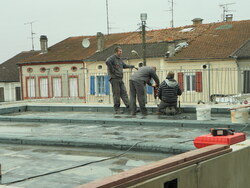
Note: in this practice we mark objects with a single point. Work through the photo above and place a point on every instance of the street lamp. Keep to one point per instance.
(143, 22)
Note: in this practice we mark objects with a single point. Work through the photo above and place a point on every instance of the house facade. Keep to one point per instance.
(10, 85)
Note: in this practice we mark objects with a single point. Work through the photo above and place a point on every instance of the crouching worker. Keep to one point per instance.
(168, 93)
(137, 84)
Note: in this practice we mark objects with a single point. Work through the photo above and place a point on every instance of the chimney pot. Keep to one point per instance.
(44, 44)
(229, 17)
(197, 21)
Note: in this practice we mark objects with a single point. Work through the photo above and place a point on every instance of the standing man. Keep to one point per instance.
(137, 84)
(115, 67)
(168, 94)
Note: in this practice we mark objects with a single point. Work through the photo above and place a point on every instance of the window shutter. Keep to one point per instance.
(107, 90)
(150, 90)
(181, 80)
(198, 83)
(92, 85)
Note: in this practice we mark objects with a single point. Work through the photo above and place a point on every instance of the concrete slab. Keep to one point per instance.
(20, 162)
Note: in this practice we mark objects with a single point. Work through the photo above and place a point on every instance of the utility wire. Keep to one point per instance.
(73, 167)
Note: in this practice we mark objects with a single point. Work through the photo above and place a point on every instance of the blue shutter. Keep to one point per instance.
(150, 88)
(107, 90)
(92, 85)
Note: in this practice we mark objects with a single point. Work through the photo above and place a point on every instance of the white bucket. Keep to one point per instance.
(203, 113)
(239, 115)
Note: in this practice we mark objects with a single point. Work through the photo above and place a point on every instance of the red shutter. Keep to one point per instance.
(181, 80)
(198, 81)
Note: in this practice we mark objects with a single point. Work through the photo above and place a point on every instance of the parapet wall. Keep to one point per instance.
(210, 167)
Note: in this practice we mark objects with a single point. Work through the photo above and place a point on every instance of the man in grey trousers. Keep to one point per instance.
(115, 67)
(137, 84)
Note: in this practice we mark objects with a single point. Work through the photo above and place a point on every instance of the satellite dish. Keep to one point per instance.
(85, 43)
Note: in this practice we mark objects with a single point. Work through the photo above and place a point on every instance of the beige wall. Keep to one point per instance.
(65, 72)
(223, 77)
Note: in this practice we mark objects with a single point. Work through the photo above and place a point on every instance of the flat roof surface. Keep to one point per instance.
(44, 141)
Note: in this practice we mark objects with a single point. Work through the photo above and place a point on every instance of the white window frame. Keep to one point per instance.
(96, 85)
(192, 82)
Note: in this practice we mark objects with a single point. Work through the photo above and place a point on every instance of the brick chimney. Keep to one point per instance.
(197, 21)
(44, 44)
(229, 17)
(100, 41)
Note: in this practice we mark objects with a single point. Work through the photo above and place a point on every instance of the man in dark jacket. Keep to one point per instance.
(115, 67)
(137, 84)
(168, 93)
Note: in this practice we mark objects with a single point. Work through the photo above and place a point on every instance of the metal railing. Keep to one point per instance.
(226, 85)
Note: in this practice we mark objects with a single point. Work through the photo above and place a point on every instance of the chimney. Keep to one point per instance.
(197, 21)
(229, 17)
(44, 44)
(100, 41)
(171, 49)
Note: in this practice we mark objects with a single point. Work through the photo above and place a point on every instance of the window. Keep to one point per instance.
(246, 87)
(74, 69)
(29, 70)
(140, 64)
(99, 67)
(57, 86)
(42, 69)
(44, 91)
(190, 81)
(56, 69)
(99, 85)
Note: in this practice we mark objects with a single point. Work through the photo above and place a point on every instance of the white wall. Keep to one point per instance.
(10, 90)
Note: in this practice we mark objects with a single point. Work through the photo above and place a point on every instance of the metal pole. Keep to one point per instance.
(144, 42)
(107, 10)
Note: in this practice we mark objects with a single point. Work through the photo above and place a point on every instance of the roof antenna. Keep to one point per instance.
(32, 33)
(107, 11)
(225, 10)
(172, 12)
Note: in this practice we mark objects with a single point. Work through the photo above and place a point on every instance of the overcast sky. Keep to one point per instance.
(60, 19)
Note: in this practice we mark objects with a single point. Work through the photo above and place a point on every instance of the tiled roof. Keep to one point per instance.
(71, 49)
(157, 49)
(243, 51)
(214, 40)
(220, 40)
(9, 71)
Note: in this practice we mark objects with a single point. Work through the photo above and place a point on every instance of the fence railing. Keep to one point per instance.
(198, 85)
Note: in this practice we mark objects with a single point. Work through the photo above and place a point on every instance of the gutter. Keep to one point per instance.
(38, 62)
(196, 59)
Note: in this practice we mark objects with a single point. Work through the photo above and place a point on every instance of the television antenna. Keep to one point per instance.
(172, 12)
(107, 12)
(32, 33)
(225, 10)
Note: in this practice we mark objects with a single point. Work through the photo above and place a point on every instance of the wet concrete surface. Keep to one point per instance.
(160, 135)
(122, 115)
(21, 162)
